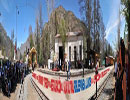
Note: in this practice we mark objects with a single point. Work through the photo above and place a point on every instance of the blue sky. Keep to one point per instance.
(28, 12)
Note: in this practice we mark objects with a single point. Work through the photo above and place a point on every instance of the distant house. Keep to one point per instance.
(73, 47)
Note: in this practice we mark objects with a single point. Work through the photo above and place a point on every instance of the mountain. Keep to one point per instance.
(25, 46)
(5, 42)
(50, 28)
(72, 22)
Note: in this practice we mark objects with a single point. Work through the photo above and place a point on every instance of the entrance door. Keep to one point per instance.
(60, 55)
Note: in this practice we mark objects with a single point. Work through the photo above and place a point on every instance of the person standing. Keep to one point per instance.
(60, 64)
(67, 69)
(97, 65)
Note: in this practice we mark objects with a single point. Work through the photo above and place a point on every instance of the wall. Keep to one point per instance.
(77, 88)
(71, 41)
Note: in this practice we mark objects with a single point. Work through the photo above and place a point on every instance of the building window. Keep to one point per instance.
(80, 52)
(75, 54)
(69, 53)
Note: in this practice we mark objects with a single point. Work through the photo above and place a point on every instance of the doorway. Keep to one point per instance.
(60, 56)
(75, 56)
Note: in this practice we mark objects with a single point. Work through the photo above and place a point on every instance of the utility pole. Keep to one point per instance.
(15, 55)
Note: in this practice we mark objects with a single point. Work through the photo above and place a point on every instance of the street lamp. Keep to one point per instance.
(17, 12)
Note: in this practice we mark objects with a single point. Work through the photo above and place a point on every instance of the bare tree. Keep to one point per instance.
(91, 13)
(50, 7)
(31, 37)
(62, 30)
(102, 40)
(12, 45)
(37, 39)
(86, 12)
(40, 18)
(126, 11)
(96, 25)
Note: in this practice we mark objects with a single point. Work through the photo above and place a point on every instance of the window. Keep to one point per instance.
(69, 53)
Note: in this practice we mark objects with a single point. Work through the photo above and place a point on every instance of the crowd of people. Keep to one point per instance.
(10, 74)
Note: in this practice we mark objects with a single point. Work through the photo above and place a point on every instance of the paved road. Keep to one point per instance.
(108, 91)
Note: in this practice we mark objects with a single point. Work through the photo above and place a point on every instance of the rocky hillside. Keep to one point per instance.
(72, 22)
(73, 25)
(24, 46)
(5, 42)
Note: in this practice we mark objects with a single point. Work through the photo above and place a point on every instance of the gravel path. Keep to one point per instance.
(108, 91)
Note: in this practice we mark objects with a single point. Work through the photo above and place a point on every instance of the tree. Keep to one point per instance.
(3, 51)
(38, 39)
(40, 19)
(31, 37)
(40, 46)
(91, 13)
(20, 56)
(102, 41)
(86, 12)
(0, 38)
(50, 7)
(45, 46)
(62, 30)
(24, 56)
(12, 45)
(126, 12)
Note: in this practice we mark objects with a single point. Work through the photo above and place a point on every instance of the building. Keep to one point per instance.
(73, 47)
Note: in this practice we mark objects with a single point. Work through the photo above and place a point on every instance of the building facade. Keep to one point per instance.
(73, 47)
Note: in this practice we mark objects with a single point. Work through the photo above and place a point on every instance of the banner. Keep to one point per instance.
(71, 86)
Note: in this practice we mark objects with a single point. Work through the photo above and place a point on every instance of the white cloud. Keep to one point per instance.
(113, 17)
(110, 28)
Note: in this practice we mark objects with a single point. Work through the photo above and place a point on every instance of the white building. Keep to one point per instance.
(73, 46)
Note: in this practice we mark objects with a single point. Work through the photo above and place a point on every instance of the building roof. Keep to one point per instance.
(69, 34)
